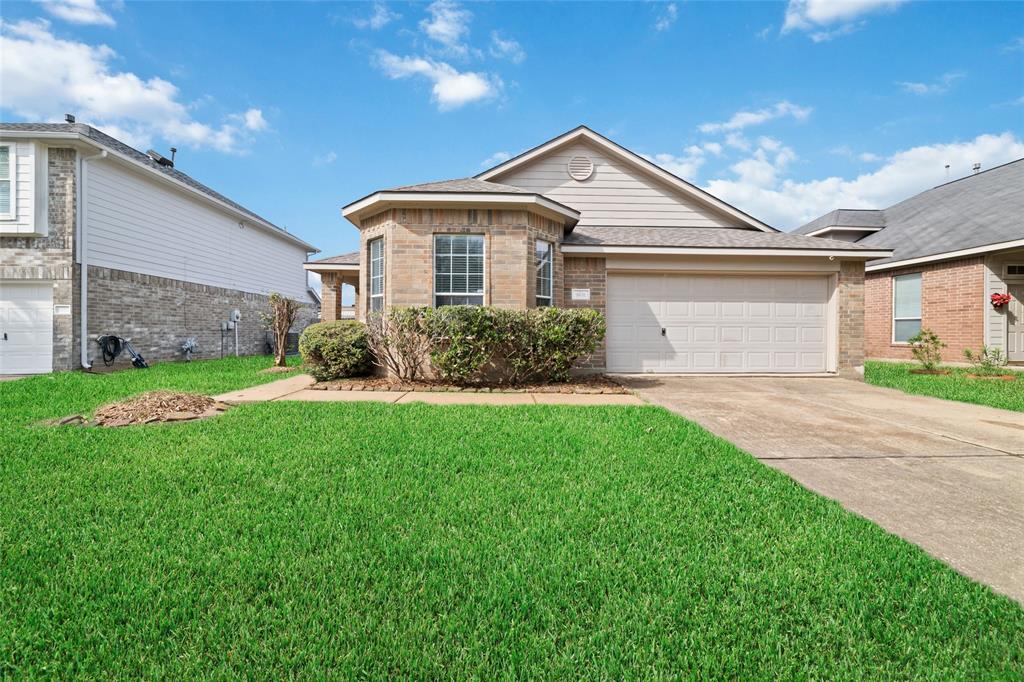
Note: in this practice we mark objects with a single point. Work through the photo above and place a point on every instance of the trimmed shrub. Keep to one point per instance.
(473, 343)
(335, 350)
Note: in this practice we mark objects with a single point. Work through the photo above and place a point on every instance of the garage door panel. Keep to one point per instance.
(728, 323)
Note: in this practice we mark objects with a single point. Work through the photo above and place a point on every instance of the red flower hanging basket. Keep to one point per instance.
(999, 300)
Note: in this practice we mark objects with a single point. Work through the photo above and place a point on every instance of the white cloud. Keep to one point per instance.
(1015, 45)
(253, 119)
(685, 166)
(43, 76)
(943, 84)
(506, 48)
(743, 119)
(737, 141)
(667, 17)
(381, 17)
(451, 88)
(869, 157)
(808, 14)
(713, 147)
(448, 25)
(846, 29)
(325, 159)
(494, 159)
(788, 203)
(78, 11)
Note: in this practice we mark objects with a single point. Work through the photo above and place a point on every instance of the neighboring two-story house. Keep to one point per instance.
(97, 238)
(687, 282)
(954, 246)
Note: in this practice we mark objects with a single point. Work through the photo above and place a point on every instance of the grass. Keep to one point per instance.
(1009, 395)
(371, 540)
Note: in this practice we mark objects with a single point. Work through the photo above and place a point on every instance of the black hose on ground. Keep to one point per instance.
(111, 348)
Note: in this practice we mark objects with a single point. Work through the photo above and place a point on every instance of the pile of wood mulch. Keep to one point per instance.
(587, 384)
(278, 370)
(151, 408)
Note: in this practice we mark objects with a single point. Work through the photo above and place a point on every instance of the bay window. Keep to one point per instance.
(543, 260)
(458, 269)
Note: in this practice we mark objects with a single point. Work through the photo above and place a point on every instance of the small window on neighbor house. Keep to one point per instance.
(458, 269)
(377, 275)
(906, 307)
(1015, 270)
(543, 258)
(6, 182)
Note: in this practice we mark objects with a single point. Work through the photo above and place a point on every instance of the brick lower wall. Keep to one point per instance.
(952, 305)
(586, 273)
(851, 317)
(157, 314)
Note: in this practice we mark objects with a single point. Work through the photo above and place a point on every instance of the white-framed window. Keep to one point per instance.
(458, 269)
(377, 274)
(544, 253)
(8, 177)
(1015, 270)
(906, 307)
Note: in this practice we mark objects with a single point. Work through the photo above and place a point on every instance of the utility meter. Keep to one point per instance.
(236, 315)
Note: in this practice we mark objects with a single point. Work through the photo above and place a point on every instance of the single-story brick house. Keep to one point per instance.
(98, 238)
(688, 283)
(954, 246)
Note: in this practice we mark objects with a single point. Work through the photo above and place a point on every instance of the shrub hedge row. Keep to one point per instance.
(466, 344)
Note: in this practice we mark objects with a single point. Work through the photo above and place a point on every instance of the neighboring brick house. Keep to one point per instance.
(687, 282)
(165, 257)
(954, 247)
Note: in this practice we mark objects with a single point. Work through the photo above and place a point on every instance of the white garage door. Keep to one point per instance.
(26, 328)
(716, 323)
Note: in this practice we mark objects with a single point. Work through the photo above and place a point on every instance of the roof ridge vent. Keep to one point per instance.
(580, 168)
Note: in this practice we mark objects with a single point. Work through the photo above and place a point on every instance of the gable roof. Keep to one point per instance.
(100, 139)
(976, 211)
(350, 258)
(632, 159)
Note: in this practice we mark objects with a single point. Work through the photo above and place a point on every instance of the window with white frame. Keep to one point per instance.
(458, 269)
(7, 179)
(377, 275)
(906, 307)
(1015, 270)
(543, 258)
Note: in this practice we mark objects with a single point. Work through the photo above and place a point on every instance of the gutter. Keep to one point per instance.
(83, 258)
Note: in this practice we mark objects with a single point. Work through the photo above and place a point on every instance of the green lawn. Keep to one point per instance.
(371, 540)
(1008, 395)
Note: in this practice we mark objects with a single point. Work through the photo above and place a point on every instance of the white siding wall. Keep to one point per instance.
(140, 224)
(995, 323)
(29, 162)
(614, 195)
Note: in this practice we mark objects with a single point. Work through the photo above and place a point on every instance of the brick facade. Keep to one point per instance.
(51, 257)
(952, 305)
(850, 285)
(509, 240)
(587, 273)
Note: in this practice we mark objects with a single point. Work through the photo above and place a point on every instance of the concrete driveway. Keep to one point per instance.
(946, 476)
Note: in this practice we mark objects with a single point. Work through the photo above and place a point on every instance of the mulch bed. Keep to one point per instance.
(1002, 377)
(278, 370)
(589, 384)
(150, 408)
(931, 372)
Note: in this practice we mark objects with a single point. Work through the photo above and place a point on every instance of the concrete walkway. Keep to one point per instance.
(946, 476)
(297, 388)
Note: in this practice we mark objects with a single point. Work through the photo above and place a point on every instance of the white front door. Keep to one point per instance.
(717, 323)
(26, 327)
(1015, 323)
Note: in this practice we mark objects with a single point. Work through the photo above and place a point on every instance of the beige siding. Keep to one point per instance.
(137, 224)
(615, 194)
(995, 321)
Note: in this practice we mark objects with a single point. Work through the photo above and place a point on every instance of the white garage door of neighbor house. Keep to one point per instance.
(717, 323)
(26, 328)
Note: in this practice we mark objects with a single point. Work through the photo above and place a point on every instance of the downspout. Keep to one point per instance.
(83, 268)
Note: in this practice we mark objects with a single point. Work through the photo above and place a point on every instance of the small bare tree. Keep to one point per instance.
(399, 341)
(280, 319)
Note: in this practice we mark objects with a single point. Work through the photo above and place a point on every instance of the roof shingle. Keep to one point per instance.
(703, 237)
(471, 185)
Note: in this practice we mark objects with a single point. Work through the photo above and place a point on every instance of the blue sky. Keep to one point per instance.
(786, 110)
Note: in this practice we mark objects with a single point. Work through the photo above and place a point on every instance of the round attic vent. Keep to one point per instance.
(580, 168)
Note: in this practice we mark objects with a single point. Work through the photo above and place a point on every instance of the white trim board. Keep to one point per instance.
(634, 160)
(948, 255)
(330, 267)
(722, 251)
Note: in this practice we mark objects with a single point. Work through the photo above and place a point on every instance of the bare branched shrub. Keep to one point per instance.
(279, 320)
(400, 341)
